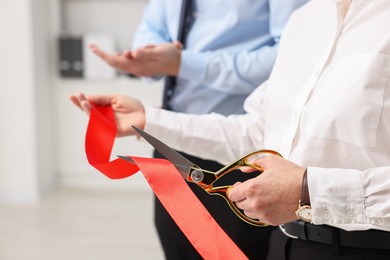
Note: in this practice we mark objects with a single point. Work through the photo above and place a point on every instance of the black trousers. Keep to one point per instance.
(252, 240)
(285, 248)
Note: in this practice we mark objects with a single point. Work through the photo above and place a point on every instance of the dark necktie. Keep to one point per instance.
(184, 25)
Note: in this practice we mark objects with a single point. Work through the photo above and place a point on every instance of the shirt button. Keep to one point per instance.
(351, 215)
(326, 214)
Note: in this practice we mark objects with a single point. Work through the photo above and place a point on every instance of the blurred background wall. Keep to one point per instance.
(41, 132)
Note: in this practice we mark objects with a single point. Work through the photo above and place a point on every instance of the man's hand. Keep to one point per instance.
(151, 60)
(128, 111)
(273, 196)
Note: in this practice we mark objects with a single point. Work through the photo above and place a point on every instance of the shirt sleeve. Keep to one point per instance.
(350, 199)
(224, 139)
(153, 27)
(241, 72)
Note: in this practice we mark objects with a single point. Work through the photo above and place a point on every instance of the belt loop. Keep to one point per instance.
(303, 230)
(335, 242)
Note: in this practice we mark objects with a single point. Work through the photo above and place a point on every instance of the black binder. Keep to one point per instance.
(71, 56)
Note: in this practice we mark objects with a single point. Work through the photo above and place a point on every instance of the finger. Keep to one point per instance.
(247, 210)
(149, 46)
(81, 102)
(178, 45)
(242, 205)
(138, 54)
(146, 52)
(99, 52)
(81, 97)
(84, 103)
(247, 169)
(234, 185)
(75, 100)
(128, 55)
(102, 100)
(95, 49)
(237, 183)
(86, 106)
(235, 193)
(251, 214)
(150, 54)
(264, 162)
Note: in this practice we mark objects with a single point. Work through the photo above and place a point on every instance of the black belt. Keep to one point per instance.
(374, 239)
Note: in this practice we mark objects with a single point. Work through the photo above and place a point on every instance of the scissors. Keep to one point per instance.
(204, 178)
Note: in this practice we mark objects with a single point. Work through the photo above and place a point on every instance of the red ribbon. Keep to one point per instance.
(188, 212)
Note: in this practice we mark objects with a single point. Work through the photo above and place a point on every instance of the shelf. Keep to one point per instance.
(119, 18)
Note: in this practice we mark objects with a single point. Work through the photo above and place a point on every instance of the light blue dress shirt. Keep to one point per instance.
(230, 49)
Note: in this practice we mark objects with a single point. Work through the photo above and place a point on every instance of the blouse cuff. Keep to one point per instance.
(336, 196)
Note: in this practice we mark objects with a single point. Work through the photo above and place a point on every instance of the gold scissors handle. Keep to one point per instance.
(222, 190)
(205, 179)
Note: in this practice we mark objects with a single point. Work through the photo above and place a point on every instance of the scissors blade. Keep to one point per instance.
(182, 168)
(180, 162)
(126, 158)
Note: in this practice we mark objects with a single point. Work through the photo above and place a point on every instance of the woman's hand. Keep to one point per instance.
(128, 111)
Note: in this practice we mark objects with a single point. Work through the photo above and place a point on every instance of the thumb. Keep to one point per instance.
(142, 51)
(178, 45)
(138, 54)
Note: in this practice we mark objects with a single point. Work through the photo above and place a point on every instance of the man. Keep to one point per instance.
(226, 49)
(325, 109)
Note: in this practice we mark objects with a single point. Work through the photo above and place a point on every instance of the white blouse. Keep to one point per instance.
(326, 106)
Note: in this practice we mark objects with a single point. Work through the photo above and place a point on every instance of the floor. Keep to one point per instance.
(81, 224)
